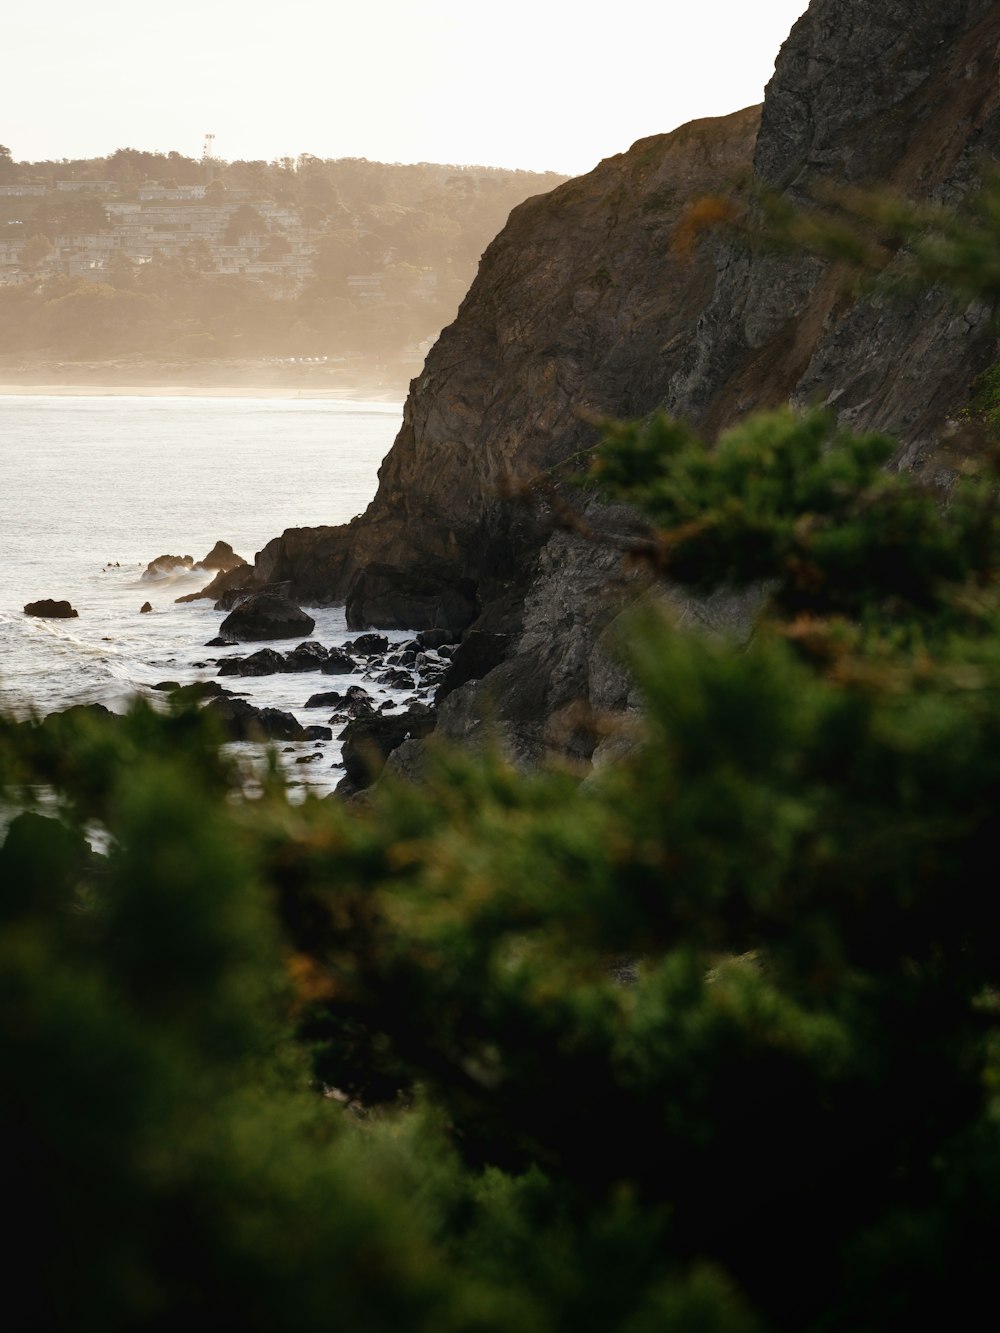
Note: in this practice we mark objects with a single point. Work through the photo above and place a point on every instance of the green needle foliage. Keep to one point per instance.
(708, 1042)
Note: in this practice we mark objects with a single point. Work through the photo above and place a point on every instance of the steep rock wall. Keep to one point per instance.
(583, 308)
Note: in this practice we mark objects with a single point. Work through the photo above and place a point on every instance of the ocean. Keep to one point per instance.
(93, 488)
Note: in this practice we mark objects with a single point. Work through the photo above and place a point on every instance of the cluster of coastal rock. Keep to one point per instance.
(371, 729)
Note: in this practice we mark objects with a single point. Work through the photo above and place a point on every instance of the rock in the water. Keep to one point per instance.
(51, 610)
(325, 699)
(222, 557)
(166, 686)
(338, 663)
(366, 644)
(357, 702)
(316, 733)
(267, 616)
(145, 608)
(241, 721)
(200, 689)
(396, 679)
(220, 642)
(166, 564)
(264, 662)
(306, 657)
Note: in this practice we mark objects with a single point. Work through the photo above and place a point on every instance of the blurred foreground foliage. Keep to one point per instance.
(788, 1119)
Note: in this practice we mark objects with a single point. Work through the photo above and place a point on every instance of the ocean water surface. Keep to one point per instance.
(92, 489)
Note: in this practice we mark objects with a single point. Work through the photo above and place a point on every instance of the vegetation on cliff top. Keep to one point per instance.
(788, 1121)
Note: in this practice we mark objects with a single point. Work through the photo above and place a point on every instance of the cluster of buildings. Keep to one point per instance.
(173, 221)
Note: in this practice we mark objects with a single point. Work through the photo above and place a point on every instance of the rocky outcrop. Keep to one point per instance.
(584, 306)
(167, 564)
(51, 610)
(221, 557)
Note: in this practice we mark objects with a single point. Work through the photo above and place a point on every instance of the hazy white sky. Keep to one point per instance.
(545, 84)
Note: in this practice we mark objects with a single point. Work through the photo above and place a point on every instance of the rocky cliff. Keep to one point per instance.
(584, 307)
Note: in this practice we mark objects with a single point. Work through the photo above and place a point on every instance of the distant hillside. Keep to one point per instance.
(147, 257)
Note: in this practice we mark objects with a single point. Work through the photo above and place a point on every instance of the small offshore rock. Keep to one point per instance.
(306, 657)
(166, 685)
(396, 679)
(51, 610)
(326, 699)
(145, 609)
(200, 689)
(316, 733)
(264, 662)
(166, 564)
(220, 642)
(267, 616)
(369, 643)
(338, 663)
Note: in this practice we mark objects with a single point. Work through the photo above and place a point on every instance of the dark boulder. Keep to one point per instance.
(357, 702)
(316, 733)
(395, 679)
(338, 663)
(222, 557)
(325, 699)
(220, 642)
(241, 721)
(198, 690)
(264, 662)
(367, 644)
(145, 609)
(267, 616)
(475, 657)
(368, 742)
(434, 638)
(51, 610)
(306, 657)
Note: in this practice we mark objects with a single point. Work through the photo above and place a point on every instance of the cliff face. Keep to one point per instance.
(583, 308)
(577, 309)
